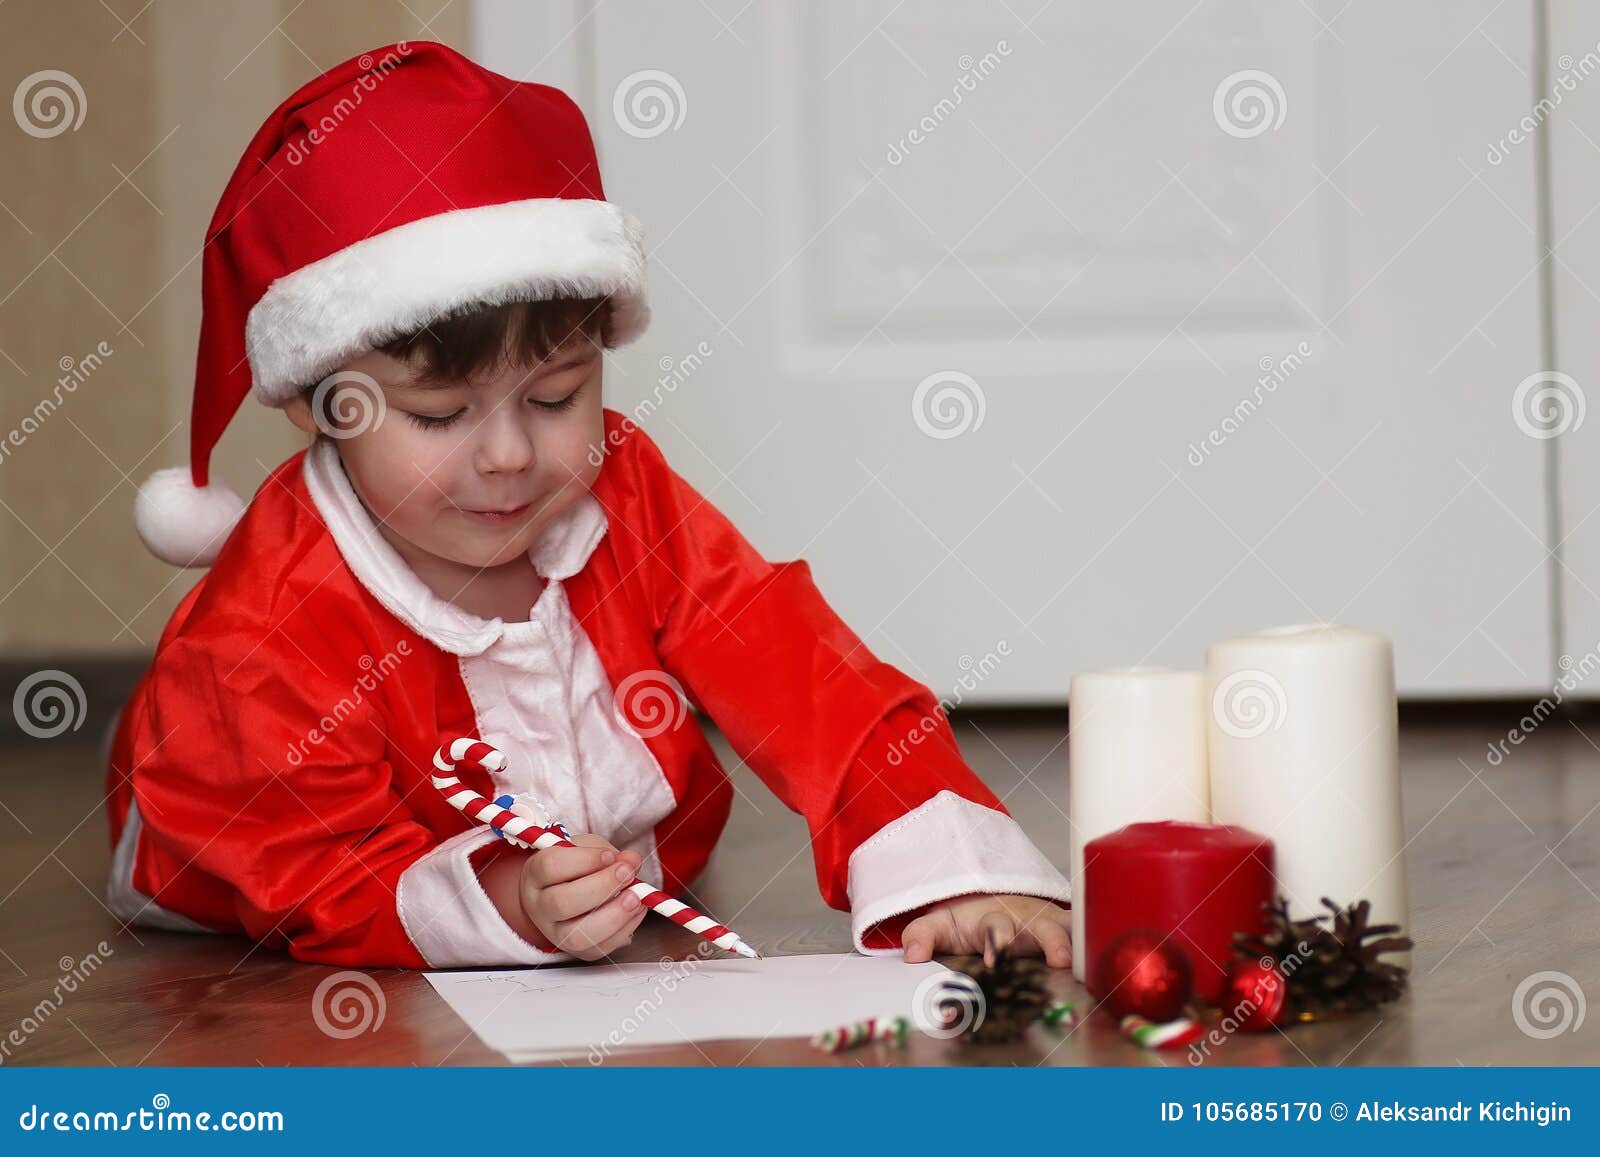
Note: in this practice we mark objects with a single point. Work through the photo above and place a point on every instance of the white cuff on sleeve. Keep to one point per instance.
(949, 846)
(449, 917)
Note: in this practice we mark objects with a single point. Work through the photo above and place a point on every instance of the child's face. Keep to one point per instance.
(469, 471)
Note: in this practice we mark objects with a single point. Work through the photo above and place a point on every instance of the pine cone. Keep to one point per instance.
(1013, 996)
(1338, 971)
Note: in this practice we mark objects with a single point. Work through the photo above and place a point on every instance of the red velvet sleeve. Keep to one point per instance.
(897, 818)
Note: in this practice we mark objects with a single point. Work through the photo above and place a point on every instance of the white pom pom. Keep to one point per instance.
(182, 523)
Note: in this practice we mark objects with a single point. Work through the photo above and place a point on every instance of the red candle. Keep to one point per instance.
(1198, 883)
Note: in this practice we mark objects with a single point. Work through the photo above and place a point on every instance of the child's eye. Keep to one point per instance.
(565, 403)
(435, 422)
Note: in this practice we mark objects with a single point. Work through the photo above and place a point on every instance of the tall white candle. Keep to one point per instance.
(1136, 751)
(1304, 745)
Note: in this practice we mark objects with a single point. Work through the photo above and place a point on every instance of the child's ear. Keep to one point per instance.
(298, 408)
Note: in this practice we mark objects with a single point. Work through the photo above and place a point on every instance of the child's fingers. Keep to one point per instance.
(558, 865)
(568, 901)
(1053, 940)
(996, 930)
(622, 936)
(587, 934)
(921, 937)
(591, 840)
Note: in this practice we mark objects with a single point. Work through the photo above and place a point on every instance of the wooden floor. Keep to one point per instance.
(1503, 863)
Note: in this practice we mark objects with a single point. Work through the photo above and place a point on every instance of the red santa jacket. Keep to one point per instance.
(270, 774)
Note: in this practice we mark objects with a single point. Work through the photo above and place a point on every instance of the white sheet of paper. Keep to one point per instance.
(541, 1013)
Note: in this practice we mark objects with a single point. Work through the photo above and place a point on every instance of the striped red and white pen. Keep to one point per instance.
(527, 833)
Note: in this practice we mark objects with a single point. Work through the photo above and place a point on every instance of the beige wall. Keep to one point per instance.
(100, 229)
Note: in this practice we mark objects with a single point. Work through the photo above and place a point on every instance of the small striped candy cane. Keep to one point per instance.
(835, 1040)
(1062, 1014)
(528, 833)
(1172, 1034)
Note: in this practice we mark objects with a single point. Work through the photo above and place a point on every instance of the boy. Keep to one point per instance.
(415, 260)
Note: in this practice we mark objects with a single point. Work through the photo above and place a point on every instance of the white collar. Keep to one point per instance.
(561, 551)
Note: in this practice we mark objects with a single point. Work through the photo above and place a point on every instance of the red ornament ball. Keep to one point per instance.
(1144, 973)
(1256, 995)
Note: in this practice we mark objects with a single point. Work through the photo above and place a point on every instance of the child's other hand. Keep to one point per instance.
(572, 896)
(1026, 924)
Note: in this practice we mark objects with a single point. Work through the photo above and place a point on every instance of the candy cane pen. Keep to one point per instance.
(526, 833)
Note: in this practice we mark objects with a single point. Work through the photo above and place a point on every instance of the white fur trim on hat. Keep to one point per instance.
(182, 523)
(393, 282)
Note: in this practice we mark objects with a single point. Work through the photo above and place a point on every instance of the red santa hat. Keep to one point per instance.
(394, 188)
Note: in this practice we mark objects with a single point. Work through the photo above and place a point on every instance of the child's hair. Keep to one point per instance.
(518, 333)
(475, 339)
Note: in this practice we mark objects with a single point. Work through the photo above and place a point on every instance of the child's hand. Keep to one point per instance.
(571, 896)
(1025, 924)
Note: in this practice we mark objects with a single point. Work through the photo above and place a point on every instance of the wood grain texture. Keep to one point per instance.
(1505, 862)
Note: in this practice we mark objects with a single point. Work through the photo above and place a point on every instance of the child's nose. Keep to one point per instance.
(505, 448)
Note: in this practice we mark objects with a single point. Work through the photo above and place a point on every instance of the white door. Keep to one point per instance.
(1061, 335)
(1569, 113)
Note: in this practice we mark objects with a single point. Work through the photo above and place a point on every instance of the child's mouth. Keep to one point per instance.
(495, 517)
